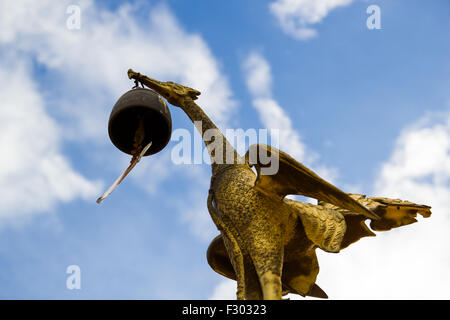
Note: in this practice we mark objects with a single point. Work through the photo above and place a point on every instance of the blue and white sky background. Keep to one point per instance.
(367, 109)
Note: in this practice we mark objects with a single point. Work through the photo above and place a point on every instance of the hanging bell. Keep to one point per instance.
(145, 108)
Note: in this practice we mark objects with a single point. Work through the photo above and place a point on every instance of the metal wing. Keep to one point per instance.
(291, 177)
(393, 213)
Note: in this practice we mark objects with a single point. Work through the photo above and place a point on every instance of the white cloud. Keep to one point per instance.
(93, 61)
(411, 262)
(194, 212)
(273, 116)
(259, 79)
(407, 263)
(420, 162)
(225, 290)
(296, 16)
(34, 175)
(151, 173)
(90, 66)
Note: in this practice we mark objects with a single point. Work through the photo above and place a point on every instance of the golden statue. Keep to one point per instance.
(267, 242)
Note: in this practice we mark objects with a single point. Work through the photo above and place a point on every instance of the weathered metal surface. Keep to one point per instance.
(267, 242)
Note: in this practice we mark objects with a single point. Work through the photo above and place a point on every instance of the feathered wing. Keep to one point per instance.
(325, 227)
(393, 213)
(294, 178)
(332, 228)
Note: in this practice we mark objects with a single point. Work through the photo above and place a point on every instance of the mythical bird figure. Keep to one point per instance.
(267, 242)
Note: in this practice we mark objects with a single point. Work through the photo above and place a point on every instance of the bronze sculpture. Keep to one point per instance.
(267, 242)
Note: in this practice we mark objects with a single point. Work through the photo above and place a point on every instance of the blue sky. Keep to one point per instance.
(368, 109)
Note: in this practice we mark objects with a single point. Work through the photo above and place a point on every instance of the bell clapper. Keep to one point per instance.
(138, 137)
(137, 153)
